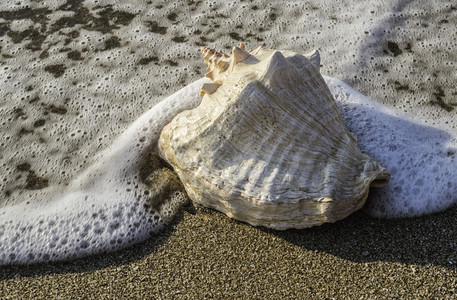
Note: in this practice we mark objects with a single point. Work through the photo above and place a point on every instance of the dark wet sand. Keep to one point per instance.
(206, 254)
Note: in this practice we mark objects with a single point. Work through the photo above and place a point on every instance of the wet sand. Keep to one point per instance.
(205, 254)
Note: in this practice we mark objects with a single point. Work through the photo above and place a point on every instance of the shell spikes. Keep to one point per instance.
(220, 65)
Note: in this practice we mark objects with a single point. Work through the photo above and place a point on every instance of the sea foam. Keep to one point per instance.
(104, 209)
(421, 159)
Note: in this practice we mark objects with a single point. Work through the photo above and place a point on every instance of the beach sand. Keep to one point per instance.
(207, 255)
(400, 53)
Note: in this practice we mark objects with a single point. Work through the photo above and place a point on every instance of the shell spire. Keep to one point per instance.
(238, 55)
(220, 65)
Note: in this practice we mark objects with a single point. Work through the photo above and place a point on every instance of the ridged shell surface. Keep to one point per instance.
(267, 145)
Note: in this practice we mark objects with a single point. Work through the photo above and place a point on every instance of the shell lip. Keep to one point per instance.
(381, 180)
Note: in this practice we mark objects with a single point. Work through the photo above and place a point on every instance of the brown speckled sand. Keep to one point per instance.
(207, 255)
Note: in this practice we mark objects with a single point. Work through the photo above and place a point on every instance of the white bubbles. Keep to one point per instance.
(104, 208)
(421, 158)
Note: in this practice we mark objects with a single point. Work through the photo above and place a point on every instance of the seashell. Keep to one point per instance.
(267, 145)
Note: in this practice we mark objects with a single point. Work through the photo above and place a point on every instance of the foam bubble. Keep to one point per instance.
(107, 207)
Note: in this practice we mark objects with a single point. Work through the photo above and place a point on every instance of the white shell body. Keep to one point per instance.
(267, 145)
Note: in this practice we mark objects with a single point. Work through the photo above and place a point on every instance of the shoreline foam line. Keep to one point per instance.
(102, 210)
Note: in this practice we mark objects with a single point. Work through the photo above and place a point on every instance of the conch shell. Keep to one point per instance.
(267, 145)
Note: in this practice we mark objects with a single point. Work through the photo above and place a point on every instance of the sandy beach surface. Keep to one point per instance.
(207, 255)
(76, 73)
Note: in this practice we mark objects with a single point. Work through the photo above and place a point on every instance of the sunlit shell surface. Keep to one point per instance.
(267, 145)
